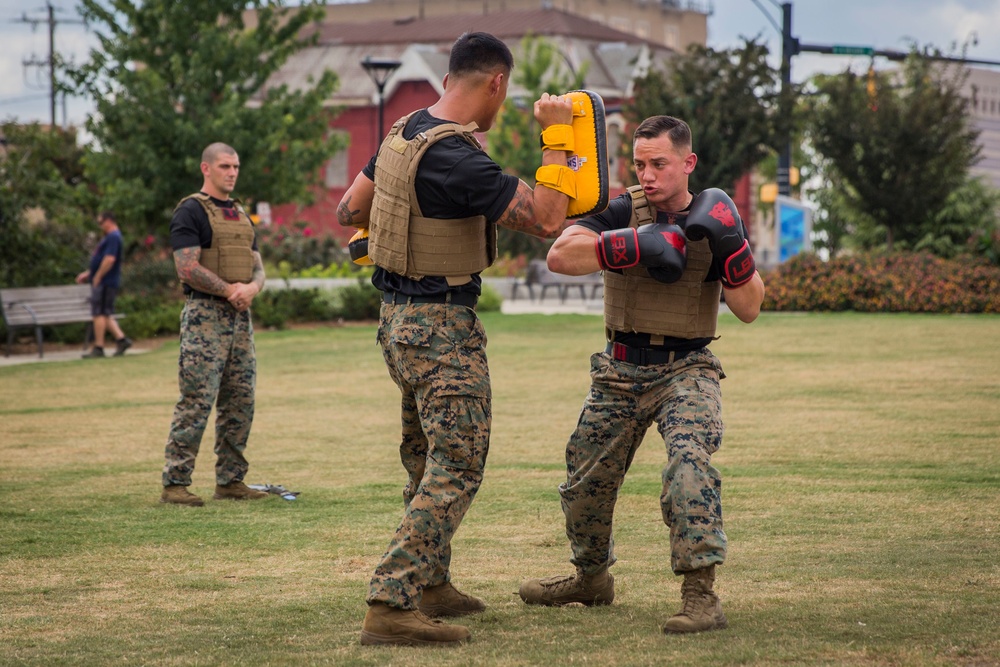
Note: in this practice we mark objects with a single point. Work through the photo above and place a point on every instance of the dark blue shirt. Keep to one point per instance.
(110, 246)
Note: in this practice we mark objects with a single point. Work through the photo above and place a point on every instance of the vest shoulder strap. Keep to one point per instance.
(641, 214)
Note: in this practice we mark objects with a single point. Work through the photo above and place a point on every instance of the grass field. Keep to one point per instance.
(861, 472)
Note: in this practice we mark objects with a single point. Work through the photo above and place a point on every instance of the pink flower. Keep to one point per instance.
(307, 231)
(150, 241)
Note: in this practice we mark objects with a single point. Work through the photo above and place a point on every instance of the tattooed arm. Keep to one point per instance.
(191, 272)
(356, 206)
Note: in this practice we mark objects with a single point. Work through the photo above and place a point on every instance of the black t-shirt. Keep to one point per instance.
(454, 180)
(617, 216)
(190, 228)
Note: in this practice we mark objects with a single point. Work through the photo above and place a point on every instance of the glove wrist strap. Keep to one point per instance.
(618, 249)
(739, 267)
(557, 138)
(557, 177)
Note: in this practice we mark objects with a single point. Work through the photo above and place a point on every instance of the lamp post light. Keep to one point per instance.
(379, 70)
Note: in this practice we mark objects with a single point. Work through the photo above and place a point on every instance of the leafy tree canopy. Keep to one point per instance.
(170, 77)
(898, 145)
(43, 202)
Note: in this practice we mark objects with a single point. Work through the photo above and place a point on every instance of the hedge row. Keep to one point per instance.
(880, 282)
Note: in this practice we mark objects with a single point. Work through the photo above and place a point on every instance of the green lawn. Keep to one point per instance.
(861, 472)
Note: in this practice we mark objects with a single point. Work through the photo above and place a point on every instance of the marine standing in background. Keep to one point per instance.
(215, 251)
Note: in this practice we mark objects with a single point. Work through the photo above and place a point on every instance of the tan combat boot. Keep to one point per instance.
(387, 625)
(238, 491)
(701, 609)
(179, 495)
(588, 589)
(446, 600)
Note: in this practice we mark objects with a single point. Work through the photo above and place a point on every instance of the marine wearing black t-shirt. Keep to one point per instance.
(454, 180)
(190, 228)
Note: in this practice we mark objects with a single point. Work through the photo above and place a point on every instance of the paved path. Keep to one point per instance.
(61, 355)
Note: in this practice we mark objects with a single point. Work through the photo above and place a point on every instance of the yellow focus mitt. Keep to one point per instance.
(358, 248)
(585, 179)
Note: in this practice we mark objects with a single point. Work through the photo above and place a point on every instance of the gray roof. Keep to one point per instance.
(423, 46)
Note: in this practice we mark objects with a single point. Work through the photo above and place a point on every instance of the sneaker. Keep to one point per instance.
(122, 345)
(238, 491)
(587, 589)
(408, 627)
(95, 353)
(179, 495)
(446, 600)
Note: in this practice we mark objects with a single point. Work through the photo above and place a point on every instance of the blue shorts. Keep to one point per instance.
(102, 300)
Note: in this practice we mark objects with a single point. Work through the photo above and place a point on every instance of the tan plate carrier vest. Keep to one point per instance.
(231, 254)
(400, 239)
(634, 302)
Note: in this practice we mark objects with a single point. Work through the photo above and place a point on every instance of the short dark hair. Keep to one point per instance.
(105, 215)
(479, 52)
(675, 128)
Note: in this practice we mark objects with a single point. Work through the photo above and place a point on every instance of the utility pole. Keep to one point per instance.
(790, 46)
(51, 62)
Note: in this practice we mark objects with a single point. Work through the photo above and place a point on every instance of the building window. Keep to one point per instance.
(671, 37)
(336, 170)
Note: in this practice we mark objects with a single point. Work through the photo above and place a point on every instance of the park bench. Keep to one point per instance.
(36, 307)
(538, 275)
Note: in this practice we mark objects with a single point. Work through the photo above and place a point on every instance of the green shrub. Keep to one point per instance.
(359, 302)
(147, 317)
(489, 301)
(879, 282)
(276, 308)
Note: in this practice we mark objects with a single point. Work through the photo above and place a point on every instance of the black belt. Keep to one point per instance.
(195, 294)
(457, 298)
(644, 356)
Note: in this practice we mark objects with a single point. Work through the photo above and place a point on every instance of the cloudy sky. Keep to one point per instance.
(881, 24)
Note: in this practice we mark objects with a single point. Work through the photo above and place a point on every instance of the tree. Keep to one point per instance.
(729, 98)
(514, 140)
(45, 206)
(898, 145)
(170, 78)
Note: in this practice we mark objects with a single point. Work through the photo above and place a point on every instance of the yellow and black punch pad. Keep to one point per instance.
(589, 159)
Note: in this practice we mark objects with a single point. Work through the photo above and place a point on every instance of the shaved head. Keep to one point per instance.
(213, 151)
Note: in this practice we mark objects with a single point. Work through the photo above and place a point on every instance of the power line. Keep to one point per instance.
(51, 21)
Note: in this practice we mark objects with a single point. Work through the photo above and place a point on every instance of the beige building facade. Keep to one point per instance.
(672, 23)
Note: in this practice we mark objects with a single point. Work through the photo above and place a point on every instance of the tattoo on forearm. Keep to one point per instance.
(194, 274)
(344, 213)
(520, 214)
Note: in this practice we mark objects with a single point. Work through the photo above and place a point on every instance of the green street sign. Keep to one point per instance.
(853, 50)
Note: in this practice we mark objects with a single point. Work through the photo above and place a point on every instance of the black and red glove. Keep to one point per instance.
(713, 215)
(659, 246)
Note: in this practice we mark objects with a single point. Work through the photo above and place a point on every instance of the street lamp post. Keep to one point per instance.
(379, 70)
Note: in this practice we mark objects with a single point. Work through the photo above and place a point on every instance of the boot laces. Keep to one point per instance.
(692, 595)
(562, 584)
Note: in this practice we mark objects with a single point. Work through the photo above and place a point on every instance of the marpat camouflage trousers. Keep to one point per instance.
(217, 365)
(436, 355)
(684, 399)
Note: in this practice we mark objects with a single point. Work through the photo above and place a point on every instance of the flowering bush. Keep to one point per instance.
(879, 282)
(299, 245)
